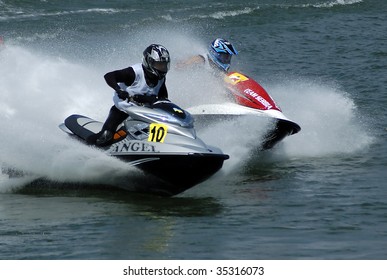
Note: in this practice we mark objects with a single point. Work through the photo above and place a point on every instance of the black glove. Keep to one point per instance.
(123, 94)
(144, 99)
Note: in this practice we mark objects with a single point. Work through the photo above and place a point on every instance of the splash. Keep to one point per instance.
(40, 88)
(240, 138)
(37, 93)
(328, 117)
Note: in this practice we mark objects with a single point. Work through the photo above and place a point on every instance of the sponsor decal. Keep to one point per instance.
(235, 78)
(126, 146)
(259, 98)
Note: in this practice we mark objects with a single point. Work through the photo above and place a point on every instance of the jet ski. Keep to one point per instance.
(161, 141)
(249, 98)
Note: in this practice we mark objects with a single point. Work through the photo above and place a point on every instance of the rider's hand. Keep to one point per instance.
(144, 99)
(123, 94)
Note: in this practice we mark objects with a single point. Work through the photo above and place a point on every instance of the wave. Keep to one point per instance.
(18, 13)
(334, 3)
(202, 14)
(233, 13)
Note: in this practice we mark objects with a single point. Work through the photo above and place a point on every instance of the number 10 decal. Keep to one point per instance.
(157, 132)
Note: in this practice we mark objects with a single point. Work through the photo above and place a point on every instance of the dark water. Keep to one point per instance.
(321, 194)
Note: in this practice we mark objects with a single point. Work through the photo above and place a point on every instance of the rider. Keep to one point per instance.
(141, 83)
(219, 55)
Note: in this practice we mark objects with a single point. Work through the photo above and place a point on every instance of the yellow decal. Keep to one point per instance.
(157, 132)
(235, 78)
(177, 110)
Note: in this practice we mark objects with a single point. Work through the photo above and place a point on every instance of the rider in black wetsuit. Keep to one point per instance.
(142, 83)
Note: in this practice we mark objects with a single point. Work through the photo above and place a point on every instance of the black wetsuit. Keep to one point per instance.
(127, 77)
(116, 116)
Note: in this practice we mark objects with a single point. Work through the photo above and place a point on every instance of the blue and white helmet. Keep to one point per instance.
(220, 52)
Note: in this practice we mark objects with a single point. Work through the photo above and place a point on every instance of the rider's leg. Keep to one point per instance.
(113, 120)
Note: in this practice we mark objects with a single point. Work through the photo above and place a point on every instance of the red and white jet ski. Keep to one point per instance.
(250, 98)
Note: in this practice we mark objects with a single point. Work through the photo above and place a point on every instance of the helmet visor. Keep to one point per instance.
(161, 66)
(224, 58)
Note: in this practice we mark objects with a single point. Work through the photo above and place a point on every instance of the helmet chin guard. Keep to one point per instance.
(156, 60)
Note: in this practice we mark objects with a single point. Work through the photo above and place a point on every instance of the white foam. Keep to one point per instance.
(334, 3)
(37, 93)
(234, 13)
(19, 13)
(327, 115)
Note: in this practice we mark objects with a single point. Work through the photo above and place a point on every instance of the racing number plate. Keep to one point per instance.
(157, 132)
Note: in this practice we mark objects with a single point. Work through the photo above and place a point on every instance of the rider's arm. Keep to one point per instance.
(192, 61)
(163, 92)
(126, 76)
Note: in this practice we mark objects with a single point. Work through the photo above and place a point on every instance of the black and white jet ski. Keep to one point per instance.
(159, 139)
(250, 99)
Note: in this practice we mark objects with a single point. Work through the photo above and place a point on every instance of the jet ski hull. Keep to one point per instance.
(206, 115)
(174, 173)
(282, 129)
(167, 168)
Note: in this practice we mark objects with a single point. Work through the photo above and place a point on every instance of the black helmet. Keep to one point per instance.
(156, 60)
